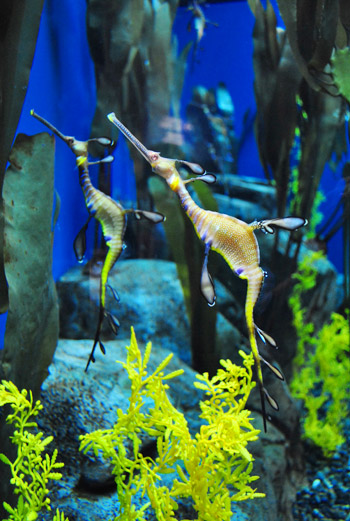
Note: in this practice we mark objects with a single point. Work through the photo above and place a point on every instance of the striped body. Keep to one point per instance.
(235, 241)
(112, 218)
(110, 214)
(228, 236)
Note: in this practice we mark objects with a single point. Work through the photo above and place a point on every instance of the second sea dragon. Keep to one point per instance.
(230, 237)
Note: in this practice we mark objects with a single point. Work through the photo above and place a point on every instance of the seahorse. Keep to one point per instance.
(230, 237)
(112, 217)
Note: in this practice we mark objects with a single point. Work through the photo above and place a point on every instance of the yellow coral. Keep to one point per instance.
(213, 468)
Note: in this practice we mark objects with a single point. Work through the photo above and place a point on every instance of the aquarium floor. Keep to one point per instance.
(327, 495)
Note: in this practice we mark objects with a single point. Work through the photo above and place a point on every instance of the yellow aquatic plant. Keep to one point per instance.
(33, 468)
(321, 377)
(213, 467)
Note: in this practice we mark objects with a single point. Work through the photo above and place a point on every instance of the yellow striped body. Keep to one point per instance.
(235, 241)
(110, 214)
(228, 236)
(112, 218)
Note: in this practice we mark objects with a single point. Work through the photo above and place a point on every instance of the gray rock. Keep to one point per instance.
(164, 318)
(150, 297)
(247, 198)
(76, 402)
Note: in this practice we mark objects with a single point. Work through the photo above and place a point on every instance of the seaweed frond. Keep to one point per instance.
(33, 468)
(213, 468)
(321, 376)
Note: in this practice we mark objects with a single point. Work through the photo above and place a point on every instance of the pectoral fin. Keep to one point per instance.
(194, 167)
(79, 243)
(207, 285)
(206, 178)
(154, 217)
(286, 223)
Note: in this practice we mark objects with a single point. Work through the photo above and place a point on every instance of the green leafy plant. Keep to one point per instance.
(213, 468)
(33, 468)
(321, 377)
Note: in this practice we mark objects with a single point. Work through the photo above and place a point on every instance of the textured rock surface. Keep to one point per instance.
(151, 299)
(75, 403)
(247, 198)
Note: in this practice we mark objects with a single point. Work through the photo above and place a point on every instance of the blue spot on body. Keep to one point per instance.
(239, 271)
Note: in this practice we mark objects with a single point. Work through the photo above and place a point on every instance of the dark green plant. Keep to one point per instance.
(321, 367)
(295, 94)
(19, 28)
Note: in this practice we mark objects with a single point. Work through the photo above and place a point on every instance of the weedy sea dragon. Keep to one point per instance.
(112, 217)
(230, 237)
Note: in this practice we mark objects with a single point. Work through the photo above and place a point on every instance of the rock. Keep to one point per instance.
(151, 299)
(76, 402)
(164, 319)
(252, 192)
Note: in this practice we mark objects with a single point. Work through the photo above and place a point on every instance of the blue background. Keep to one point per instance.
(62, 89)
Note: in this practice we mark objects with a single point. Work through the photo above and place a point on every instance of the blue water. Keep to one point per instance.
(62, 89)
